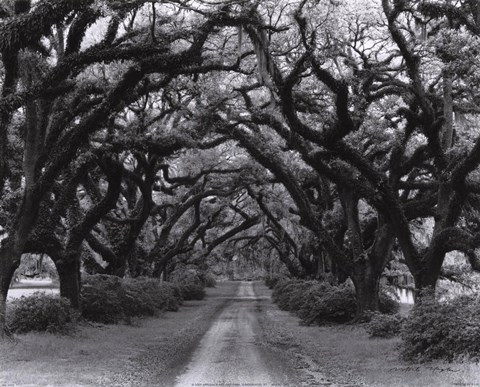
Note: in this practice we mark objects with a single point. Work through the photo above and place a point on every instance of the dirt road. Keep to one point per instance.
(234, 337)
(233, 353)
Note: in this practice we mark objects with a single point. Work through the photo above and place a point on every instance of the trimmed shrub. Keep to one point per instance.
(447, 330)
(109, 299)
(271, 281)
(387, 304)
(291, 294)
(326, 304)
(209, 280)
(191, 291)
(168, 296)
(191, 281)
(152, 295)
(321, 303)
(186, 274)
(102, 299)
(40, 312)
(385, 325)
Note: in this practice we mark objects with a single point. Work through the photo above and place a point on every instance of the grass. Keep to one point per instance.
(377, 363)
(346, 355)
(82, 359)
(98, 355)
(129, 355)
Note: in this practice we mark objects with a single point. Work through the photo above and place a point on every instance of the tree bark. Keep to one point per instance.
(425, 283)
(119, 267)
(69, 276)
(8, 267)
(11, 251)
(366, 279)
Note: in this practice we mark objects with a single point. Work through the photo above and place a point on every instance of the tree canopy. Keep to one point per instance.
(138, 135)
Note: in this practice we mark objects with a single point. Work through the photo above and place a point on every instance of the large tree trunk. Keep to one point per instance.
(69, 277)
(11, 251)
(338, 273)
(425, 284)
(366, 279)
(159, 269)
(137, 264)
(118, 267)
(426, 278)
(308, 261)
(371, 251)
(8, 265)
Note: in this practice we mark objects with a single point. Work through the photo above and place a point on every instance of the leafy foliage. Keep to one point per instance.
(385, 326)
(209, 280)
(40, 312)
(327, 304)
(102, 300)
(146, 296)
(191, 291)
(320, 303)
(33, 265)
(272, 280)
(109, 299)
(191, 282)
(291, 294)
(389, 116)
(443, 330)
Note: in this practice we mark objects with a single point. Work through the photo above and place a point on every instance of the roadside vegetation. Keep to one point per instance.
(149, 148)
(146, 351)
(347, 354)
(105, 299)
(432, 330)
(320, 303)
(443, 330)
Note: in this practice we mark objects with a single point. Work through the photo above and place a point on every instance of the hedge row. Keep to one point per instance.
(319, 303)
(109, 299)
(272, 280)
(443, 330)
(435, 330)
(40, 312)
(385, 325)
(104, 299)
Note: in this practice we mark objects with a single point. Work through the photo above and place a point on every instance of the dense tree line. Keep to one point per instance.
(139, 134)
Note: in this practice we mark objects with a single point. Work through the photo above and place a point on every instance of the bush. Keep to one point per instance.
(191, 291)
(138, 298)
(271, 281)
(191, 282)
(109, 299)
(102, 299)
(387, 304)
(326, 304)
(168, 296)
(321, 303)
(40, 312)
(152, 295)
(291, 294)
(186, 274)
(384, 325)
(209, 280)
(443, 330)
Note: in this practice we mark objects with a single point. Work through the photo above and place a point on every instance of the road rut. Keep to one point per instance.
(232, 352)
